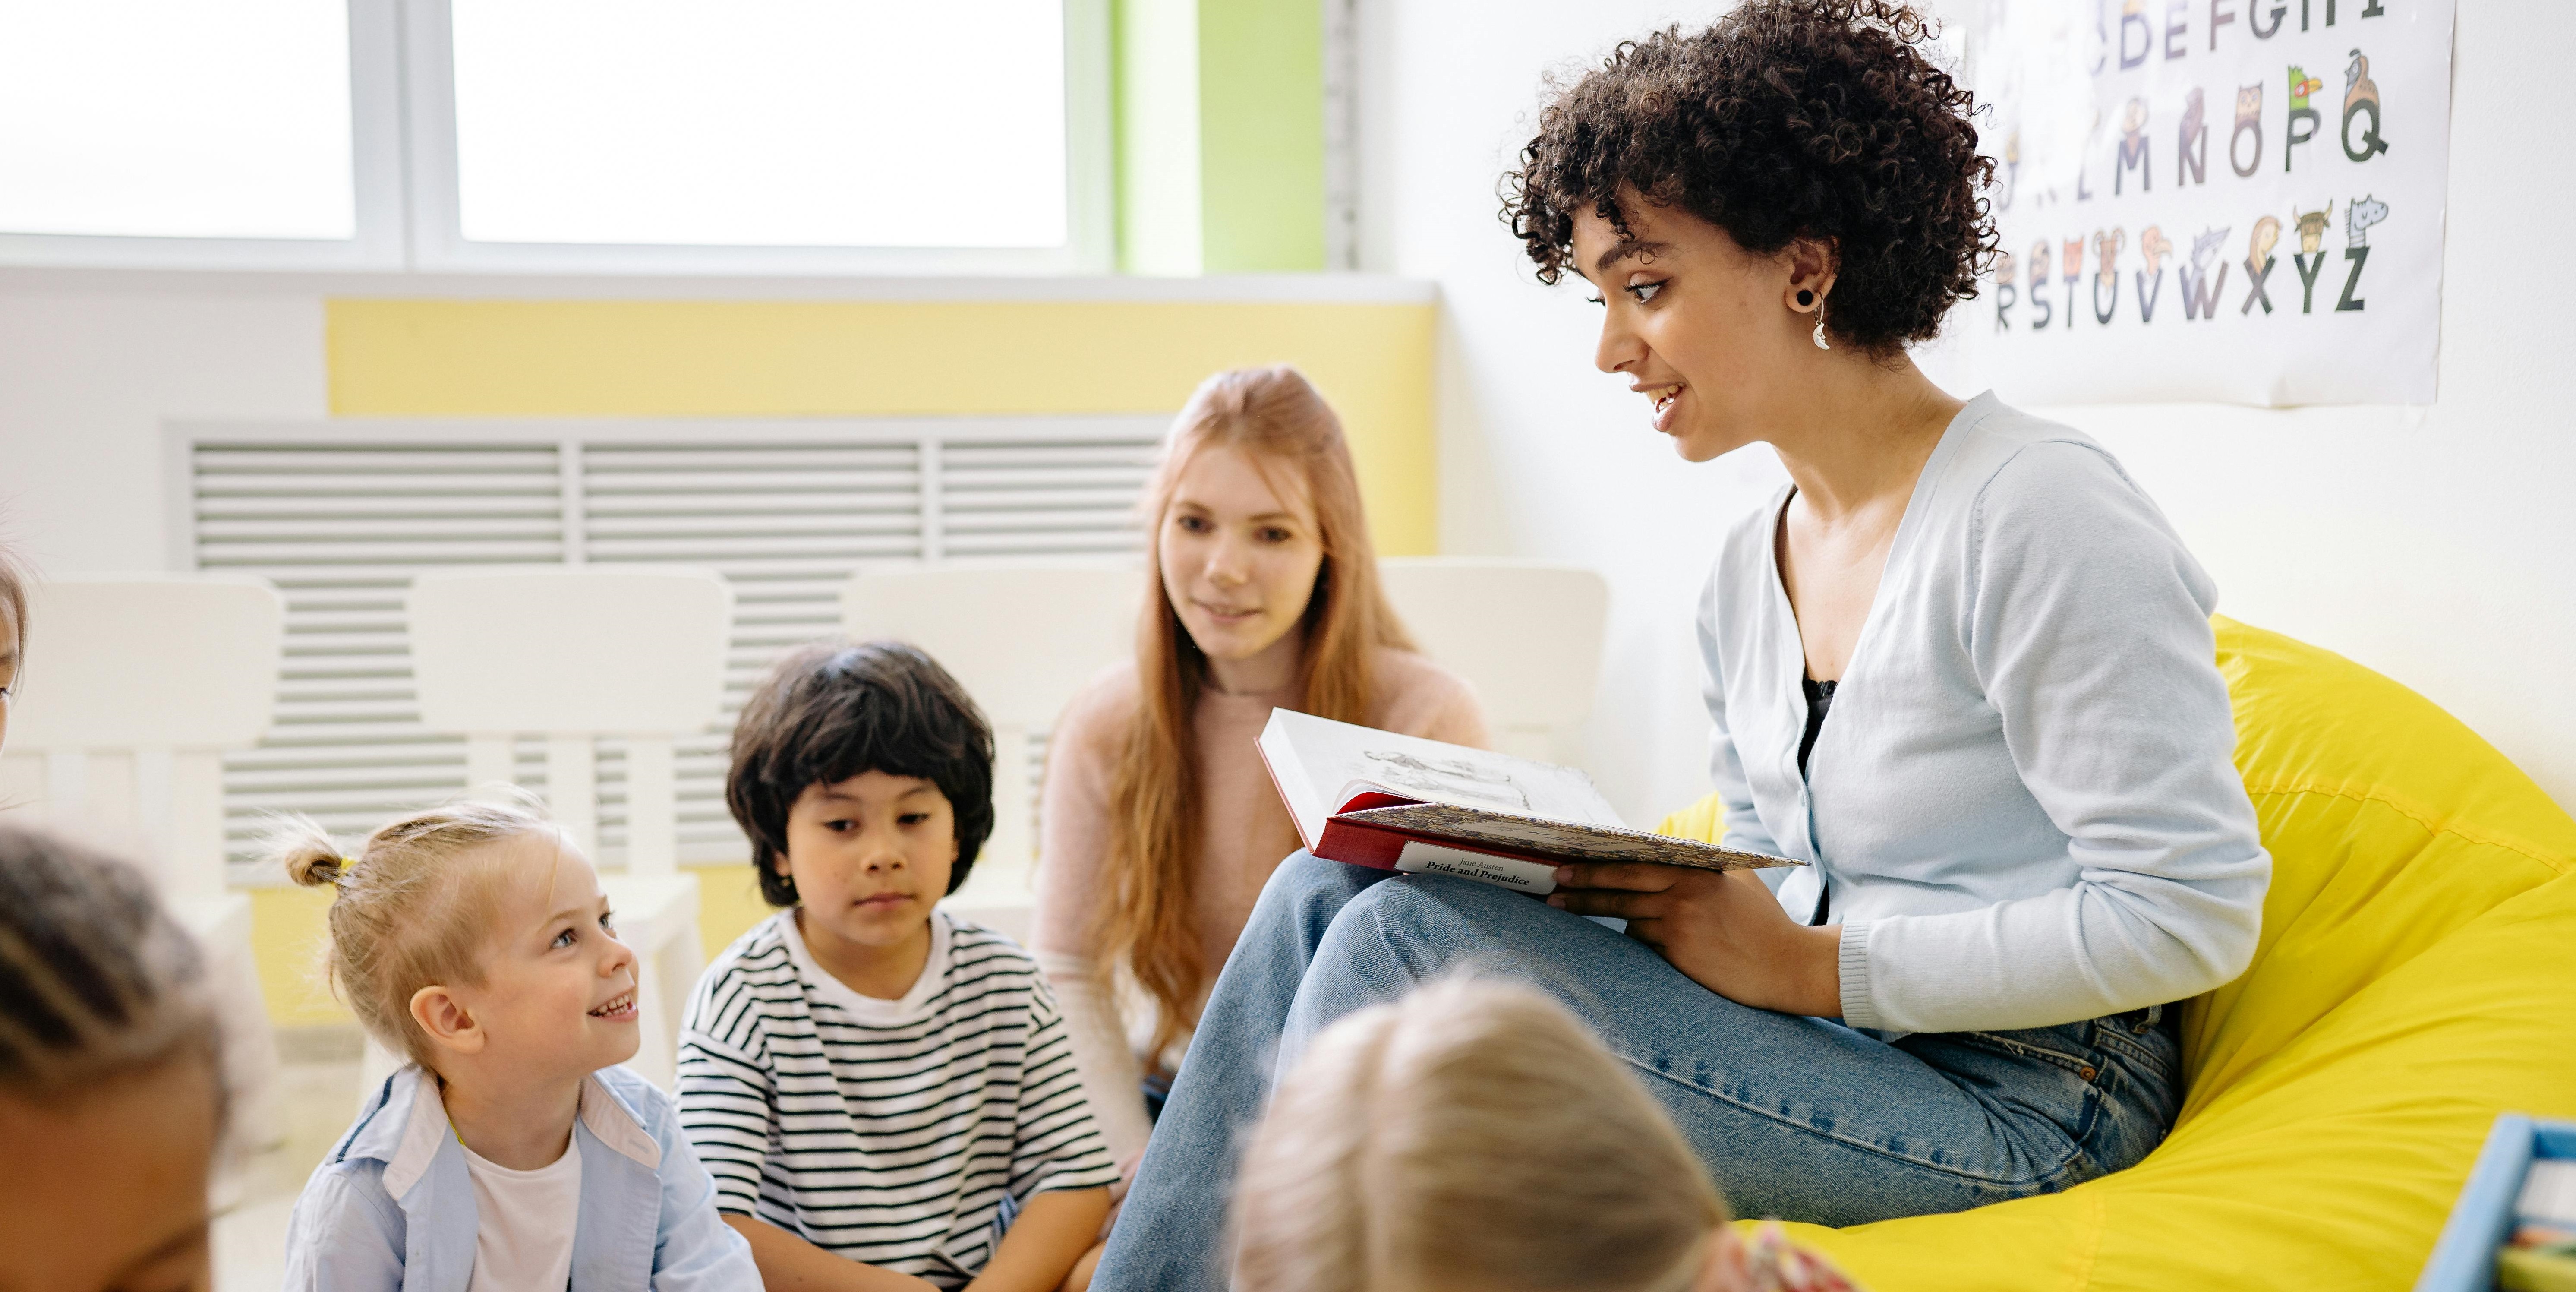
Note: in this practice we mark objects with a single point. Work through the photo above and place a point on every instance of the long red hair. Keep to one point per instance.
(1156, 816)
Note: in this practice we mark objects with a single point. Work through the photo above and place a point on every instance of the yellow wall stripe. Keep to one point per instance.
(289, 929)
(612, 358)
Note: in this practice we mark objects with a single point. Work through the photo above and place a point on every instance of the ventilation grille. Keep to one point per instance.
(341, 519)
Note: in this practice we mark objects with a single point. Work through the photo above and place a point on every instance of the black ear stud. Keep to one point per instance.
(1806, 297)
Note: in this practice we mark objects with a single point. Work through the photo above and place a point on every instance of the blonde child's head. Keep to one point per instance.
(471, 934)
(111, 1084)
(1473, 1137)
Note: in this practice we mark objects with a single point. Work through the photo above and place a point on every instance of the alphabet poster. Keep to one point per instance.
(2236, 201)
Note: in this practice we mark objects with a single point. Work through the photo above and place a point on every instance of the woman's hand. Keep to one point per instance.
(1723, 930)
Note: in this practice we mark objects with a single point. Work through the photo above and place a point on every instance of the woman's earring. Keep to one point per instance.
(1821, 343)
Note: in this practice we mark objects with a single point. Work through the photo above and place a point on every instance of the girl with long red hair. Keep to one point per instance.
(1159, 824)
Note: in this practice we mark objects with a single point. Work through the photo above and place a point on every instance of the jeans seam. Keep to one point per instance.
(2038, 1182)
(2097, 1112)
(2074, 1064)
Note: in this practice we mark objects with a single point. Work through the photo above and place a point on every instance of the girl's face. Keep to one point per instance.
(1701, 327)
(107, 1193)
(557, 996)
(1239, 558)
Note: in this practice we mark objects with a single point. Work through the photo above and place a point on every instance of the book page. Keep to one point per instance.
(1297, 789)
(1334, 757)
(1560, 841)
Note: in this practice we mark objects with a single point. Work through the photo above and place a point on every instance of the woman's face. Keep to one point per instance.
(1705, 330)
(1239, 558)
(107, 1193)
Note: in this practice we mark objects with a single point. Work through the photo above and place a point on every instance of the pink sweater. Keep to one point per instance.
(1247, 833)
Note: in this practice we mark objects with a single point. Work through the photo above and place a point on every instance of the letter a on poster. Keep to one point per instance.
(2236, 201)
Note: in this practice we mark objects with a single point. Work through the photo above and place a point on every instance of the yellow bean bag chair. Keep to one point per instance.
(2416, 976)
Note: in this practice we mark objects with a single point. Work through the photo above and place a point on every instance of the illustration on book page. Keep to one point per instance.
(1454, 779)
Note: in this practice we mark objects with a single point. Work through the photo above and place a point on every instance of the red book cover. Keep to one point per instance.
(1408, 804)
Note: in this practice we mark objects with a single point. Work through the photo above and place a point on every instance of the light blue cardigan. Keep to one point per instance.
(2023, 797)
(392, 1206)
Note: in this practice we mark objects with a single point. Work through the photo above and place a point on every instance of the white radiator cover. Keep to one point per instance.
(341, 514)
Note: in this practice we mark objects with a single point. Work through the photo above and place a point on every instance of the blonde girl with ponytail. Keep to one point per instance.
(510, 1151)
(1159, 825)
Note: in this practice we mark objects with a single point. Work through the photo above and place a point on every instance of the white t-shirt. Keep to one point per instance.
(524, 1223)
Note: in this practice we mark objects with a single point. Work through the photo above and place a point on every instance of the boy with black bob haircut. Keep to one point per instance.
(885, 1094)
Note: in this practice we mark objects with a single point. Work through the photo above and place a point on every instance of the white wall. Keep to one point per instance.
(2436, 545)
(89, 374)
(1540, 455)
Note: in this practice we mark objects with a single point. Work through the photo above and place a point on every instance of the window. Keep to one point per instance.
(821, 123)
(136, 131)
(752, 136)
(178, 120)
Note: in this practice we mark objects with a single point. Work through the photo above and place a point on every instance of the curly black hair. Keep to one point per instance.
(1787, 119)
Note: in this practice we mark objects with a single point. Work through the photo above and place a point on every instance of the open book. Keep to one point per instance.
(1374, 798)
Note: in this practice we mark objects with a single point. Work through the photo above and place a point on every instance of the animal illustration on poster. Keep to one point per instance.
(2335, 159)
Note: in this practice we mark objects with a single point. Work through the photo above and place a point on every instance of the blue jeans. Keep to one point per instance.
(1796, 1118)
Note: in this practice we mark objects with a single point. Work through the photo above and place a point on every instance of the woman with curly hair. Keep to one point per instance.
(1960, 667)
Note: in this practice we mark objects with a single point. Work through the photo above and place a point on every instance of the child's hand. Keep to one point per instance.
(1052, 1246)
(788, 1263)
(1724, 931)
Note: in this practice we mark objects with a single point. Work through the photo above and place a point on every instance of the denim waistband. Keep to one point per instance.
(2134, 1034)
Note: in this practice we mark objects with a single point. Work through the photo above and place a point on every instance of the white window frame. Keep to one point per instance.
(376, 167)
(439, 245)
(402, 102)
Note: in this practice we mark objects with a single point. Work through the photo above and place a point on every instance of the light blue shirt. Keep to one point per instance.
(2023, 799)
(392, 1206)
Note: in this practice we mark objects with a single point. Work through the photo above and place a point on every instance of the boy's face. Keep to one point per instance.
(558, 991)
(870, 856)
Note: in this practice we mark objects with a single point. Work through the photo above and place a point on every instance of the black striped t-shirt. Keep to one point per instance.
(901, 1133)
